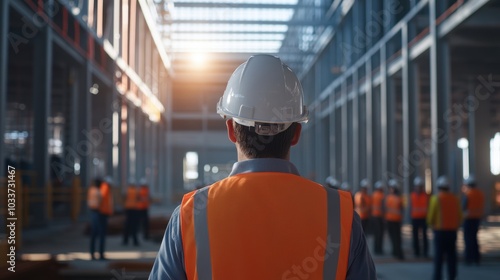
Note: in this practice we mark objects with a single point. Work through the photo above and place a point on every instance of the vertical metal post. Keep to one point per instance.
(4, 29)
(369, 120)
(345, 144)
(42, 89)
(85, 113)
(355, 133)
(383, 111)
(440, 95)
(331, 134)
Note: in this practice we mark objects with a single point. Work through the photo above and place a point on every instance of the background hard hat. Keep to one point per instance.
(418, 181)
(442, 182)
(332, 182)
(471, 180)
(364, 183)
(143, 182)
(263, 90)
(108, 180)
(393, 183)
(345, 186)
(379, 185)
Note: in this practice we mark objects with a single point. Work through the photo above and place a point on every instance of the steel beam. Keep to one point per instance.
(226, 5)
(255, 22)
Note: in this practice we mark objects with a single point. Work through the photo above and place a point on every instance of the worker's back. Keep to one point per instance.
(262, 225)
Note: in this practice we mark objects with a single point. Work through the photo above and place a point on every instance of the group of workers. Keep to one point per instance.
(442, 212)
(101, 205)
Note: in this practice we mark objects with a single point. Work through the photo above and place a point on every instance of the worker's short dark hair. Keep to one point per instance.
(254, 145)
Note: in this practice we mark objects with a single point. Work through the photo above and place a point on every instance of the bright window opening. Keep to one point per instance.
(495, 154)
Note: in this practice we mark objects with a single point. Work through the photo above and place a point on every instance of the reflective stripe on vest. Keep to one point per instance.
(393, 208)
(475, 204)
(197, 213)
(419, 202)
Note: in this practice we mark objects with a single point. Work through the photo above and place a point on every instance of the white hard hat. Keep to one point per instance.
(471, 180)
(393, 183)
(442, 182)
(143, 182)
(108, 180)
(418, 181)
(345, 186)
(263, 93)
(332, 182)
(364, 183)
(379, 185)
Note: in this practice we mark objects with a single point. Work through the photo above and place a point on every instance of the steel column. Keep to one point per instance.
(480, 133)
(355, 134)
(42, 88)
(369, 121)
(383, 112)
(440, 99)
(4, 29)
(345, 144)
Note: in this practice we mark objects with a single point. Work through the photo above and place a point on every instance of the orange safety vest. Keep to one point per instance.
(448, 209)
(93, 198)
(362, 202)
(261, 225)
(475, 204)
(143, 202)
(106, 206)
(393, 207)
(419, 203)
(377, 204)
(131, 198)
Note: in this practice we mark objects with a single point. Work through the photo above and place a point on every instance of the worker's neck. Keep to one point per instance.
(243, 157)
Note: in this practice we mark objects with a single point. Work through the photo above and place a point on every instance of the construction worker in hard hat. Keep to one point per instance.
(362, 202)
(473, 207)
(419, 204)
(131, 213)
(394, 218)
(100, 212)
(378, 210)
(93, 203)
(264, 221)
(444, 217)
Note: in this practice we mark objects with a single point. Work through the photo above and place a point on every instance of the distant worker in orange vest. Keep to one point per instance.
(131, 213)
(264, 221)
(473, 207)
(93, 202)
(362, 202)
(444, 217)
(394, 218)
(143, 207)
(378, 217)
(419, 204)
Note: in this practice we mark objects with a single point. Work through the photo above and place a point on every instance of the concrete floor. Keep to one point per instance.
(126, 262)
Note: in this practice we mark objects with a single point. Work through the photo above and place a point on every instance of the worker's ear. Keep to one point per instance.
(230, 130)
(296, 135)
